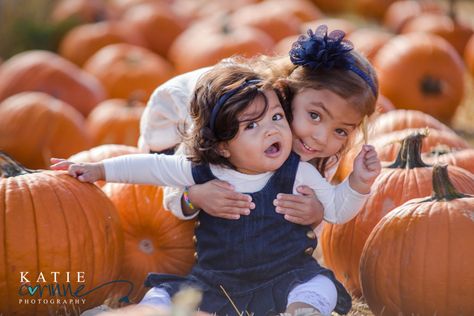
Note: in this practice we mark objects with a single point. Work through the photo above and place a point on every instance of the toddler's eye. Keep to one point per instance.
(315, 116)
(251, 125)
(341, 132)
(277, 117)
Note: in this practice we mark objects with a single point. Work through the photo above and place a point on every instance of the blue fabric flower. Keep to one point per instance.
(318, 50)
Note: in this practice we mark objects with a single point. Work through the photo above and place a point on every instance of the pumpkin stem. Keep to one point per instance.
(443, 188)
(409, 155)
(9, 167)
(430, 86)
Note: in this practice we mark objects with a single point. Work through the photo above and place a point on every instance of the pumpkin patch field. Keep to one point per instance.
(75, 79)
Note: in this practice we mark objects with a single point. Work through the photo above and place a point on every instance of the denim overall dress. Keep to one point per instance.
(257, 260)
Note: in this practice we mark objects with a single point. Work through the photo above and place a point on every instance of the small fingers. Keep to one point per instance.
(223, 184)
(305, 190)
(61, 165)
(291, 197)
(295, 219)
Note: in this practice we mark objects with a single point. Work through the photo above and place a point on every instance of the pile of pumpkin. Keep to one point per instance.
(86, 100)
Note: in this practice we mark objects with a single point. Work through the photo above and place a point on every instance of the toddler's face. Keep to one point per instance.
(322, 122)
(260, 145)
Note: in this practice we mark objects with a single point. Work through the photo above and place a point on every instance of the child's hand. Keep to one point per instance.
(304, 209)
(225, 202)
(367, 167)
(84, 172)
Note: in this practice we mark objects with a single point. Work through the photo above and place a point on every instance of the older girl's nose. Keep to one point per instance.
(320, 136)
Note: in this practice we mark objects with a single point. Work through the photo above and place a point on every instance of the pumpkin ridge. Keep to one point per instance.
(25, 183)
(66, 184)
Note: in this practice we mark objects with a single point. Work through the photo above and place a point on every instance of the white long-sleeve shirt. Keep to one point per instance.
(341, 203)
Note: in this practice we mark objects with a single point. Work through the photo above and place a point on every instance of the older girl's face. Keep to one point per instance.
(322, 122)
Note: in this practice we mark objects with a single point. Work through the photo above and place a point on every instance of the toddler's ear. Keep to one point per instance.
(223, 150)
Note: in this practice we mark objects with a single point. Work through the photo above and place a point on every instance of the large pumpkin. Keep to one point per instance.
(116, 121)
(50, 73)
(128, 71)
(35, 127)
(421, 71)
(408, 177)
(212, 39)
(418, 260)
(155, 240)
(51, 222)
(400, 12)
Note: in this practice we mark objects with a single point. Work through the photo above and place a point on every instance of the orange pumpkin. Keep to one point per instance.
(157, 23)
(418, 259)
(469, 55)
(102, 152)
(47, 72)
(115, 121)
(128, 71)
(207, 42)
(51, 222)
(81, 42)
(331, 6)
(58, 130)
(402, 119)
(400, 12)
(372, 8)
(155, 240)
(455, 31)
(408, 177)
(388, 144)
(80, 11)
(421, 71)
(461, 158)
(368, 41)
(274, 18)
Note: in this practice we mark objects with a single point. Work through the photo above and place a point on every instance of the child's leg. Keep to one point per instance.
(156, 297)
(318, 293)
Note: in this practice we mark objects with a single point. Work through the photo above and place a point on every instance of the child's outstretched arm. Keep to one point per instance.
(152, 169)
(85, 172)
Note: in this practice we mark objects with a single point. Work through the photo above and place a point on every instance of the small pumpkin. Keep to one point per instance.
(400, 12)
(81, 42)
(157, 23)
(102, 152)
(374, 9)
(418, 259)
(421, 71)
(408, 177)
(207, 42)
(115, 121)
(59, 130)
(48, 72)
(51, 222)
(155, 240)
(128, 71)
(80, 11)
(469, 55)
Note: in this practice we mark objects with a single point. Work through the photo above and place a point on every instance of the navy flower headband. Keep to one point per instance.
(318, 50)
(223, 99)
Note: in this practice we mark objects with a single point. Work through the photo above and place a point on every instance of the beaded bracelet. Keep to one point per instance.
(186, 198)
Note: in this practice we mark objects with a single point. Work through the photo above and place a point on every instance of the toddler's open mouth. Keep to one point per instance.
(273, 150)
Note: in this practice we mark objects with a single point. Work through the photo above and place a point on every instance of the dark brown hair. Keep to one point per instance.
(228, 75)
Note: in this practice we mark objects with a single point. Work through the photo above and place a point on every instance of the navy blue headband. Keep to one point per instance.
(318, 50)
(223, 99)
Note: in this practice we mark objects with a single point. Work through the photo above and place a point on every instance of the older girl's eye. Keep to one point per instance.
(277, 117)
(315, 116)
(341, 132)
(251, 125)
